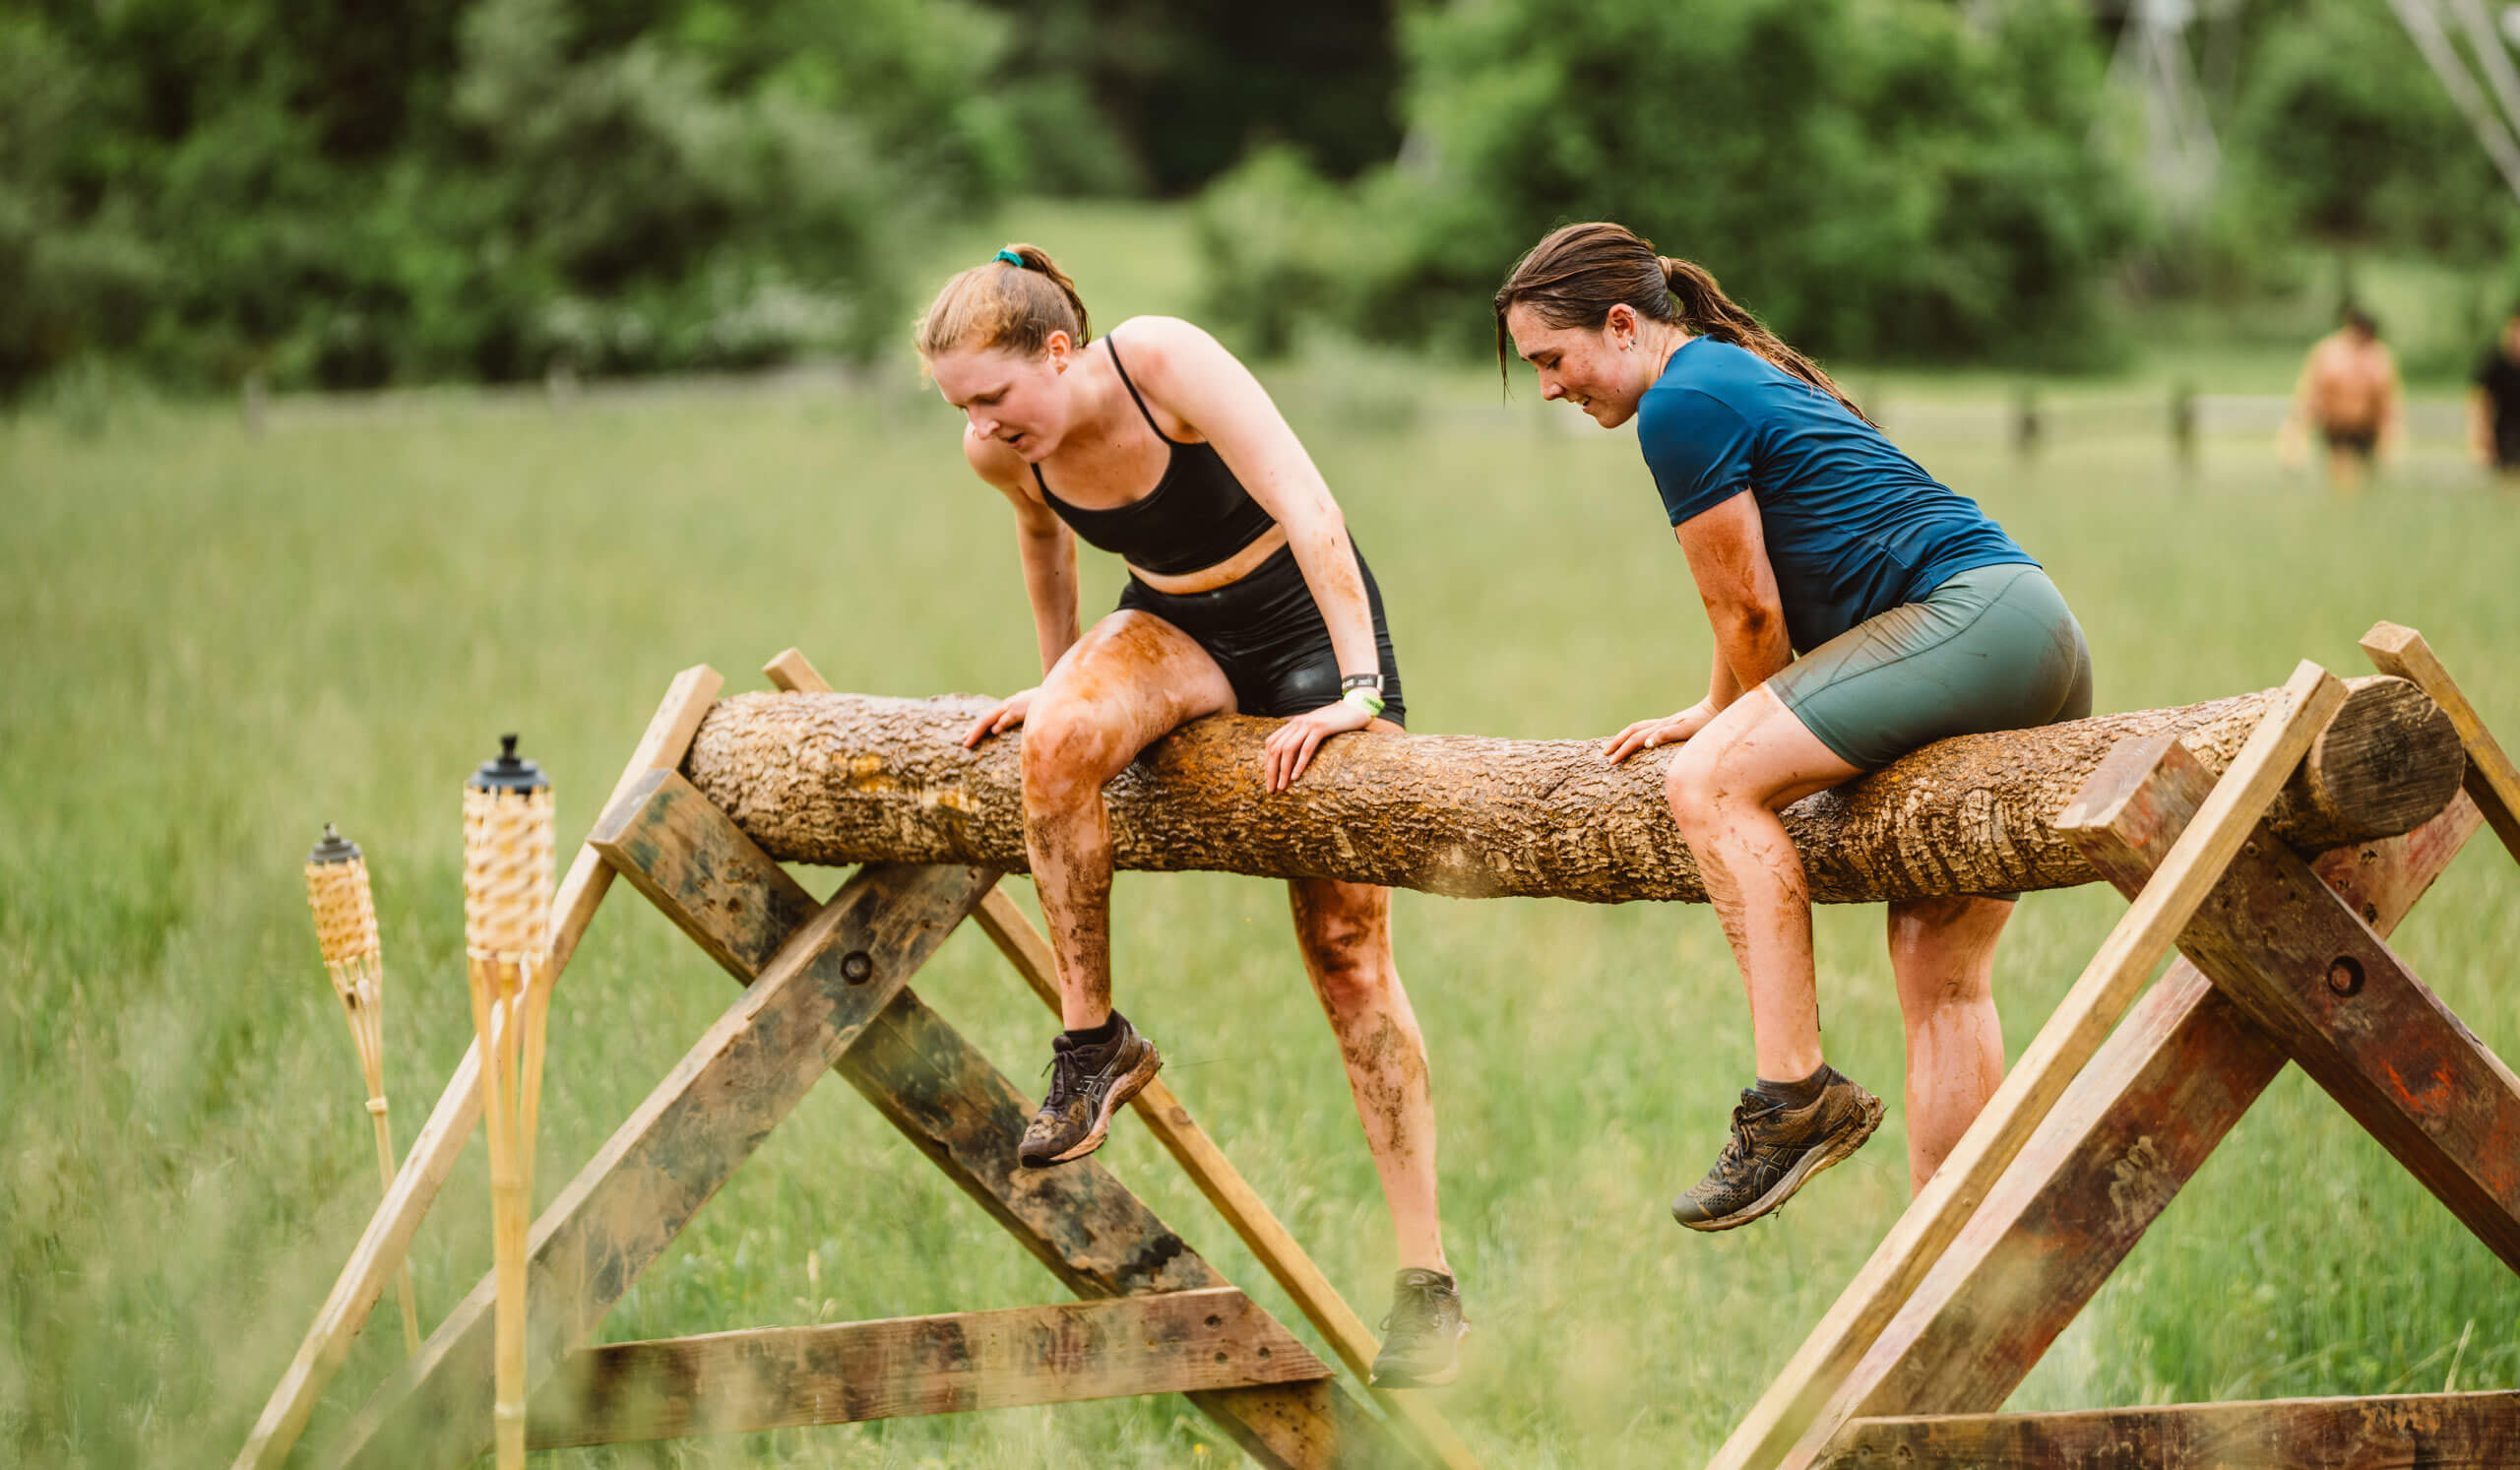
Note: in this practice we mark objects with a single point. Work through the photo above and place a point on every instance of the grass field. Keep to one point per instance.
(218, 640)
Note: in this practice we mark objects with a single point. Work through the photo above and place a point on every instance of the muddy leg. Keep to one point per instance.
(1943, 952)
(1344, 931)
(1128, 681)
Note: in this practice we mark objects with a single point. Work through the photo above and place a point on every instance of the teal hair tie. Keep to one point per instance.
(1011, 258)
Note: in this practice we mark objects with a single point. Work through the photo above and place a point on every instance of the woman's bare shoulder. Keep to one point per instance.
(1161, 343)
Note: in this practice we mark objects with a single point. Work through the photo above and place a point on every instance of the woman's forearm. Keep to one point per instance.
(1328, 559)
(1050, 586)
(1722, 689)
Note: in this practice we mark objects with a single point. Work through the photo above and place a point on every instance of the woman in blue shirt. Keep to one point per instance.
(1915, 616)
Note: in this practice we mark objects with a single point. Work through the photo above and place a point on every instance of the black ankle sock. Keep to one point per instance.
(1098, 1035)
(1797, 1094)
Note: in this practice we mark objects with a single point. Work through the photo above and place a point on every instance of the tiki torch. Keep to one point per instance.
(345, 928)
(507, 902)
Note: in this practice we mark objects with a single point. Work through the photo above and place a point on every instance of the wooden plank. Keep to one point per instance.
(792, 670)
(2097, 999)
(1077, 1219)
(2491, 778)
(813, 1000)
(2134, 1127)
(786, 1377)
(1285, 1259)
(2313, 975)
(2438, 1431)
(386, 1243)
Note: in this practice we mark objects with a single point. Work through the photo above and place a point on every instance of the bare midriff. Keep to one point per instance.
(1223, 574)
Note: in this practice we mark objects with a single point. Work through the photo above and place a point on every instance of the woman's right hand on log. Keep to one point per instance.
(1008, 713)
(1670, 730)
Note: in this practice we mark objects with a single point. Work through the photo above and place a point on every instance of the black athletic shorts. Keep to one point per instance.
(1265, 631)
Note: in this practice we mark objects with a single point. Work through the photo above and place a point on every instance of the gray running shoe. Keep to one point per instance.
(1774, 1149)
(1087, 1084)
(1421, 1341)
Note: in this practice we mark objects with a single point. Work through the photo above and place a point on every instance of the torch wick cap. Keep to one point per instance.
(509, 772)
(335, 848)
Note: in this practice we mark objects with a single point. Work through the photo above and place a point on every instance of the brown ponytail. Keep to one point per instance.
(1014, 304)
(1576, 274)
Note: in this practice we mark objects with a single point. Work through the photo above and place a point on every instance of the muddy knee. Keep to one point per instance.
(1942, 949)
(1068, 754)
(1699, 789)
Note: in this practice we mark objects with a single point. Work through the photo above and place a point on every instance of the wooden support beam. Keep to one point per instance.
(785, 1378)
(813, 1000)
(2310, 973)
(1077, 1219)
(2438, 1431)
(2134, 1127)
(842, 778)
(386, 1243)
(1412, 1416)
(2491, 779)
(2091, 1008)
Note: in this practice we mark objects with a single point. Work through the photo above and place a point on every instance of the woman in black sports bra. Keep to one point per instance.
(1244, 592)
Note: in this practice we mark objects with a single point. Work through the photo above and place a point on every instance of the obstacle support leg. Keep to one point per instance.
(2069, 1039)
(2285, 962)
(836, 974)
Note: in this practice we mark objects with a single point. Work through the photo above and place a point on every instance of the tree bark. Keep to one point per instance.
(853, 778)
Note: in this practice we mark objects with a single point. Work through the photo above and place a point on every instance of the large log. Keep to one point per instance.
(853, 778)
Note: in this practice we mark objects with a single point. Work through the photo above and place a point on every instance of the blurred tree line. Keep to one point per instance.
(354, 192)
(1894, 180)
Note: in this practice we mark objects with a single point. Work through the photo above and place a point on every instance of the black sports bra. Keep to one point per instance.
(1196, 516)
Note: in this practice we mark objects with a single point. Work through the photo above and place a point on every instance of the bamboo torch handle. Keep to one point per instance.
(385, 1159)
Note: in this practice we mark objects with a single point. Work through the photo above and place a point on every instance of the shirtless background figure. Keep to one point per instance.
(2348, 390)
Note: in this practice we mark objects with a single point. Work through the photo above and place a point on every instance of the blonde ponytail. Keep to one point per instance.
(1013, 303)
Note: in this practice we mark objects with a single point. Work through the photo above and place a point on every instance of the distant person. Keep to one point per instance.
(2349, 393)
(1915, 617)
(2493, 406)
(1246, 593)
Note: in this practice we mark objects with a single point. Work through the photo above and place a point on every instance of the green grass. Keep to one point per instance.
(216, 641)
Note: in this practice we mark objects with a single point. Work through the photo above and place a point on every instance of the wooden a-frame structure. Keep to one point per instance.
(827, 991)
(2090, 1139)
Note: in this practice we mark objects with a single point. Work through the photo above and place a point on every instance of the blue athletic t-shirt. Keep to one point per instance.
(1854, 527)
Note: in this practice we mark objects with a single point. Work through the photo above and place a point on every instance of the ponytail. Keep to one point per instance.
(1014, 302)
(1575, 275)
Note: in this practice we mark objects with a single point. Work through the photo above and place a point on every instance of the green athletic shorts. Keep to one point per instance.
(1994, 647)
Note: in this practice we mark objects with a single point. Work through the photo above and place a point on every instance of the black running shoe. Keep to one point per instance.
(1773, 1149)
(1421, 1338)
(1087, 1084)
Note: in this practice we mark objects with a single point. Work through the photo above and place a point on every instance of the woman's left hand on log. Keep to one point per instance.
(1005, 715)
(1670, 730)
(1290, 746)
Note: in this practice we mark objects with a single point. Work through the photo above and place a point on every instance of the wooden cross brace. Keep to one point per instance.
(2285, 962)
(828, 992)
